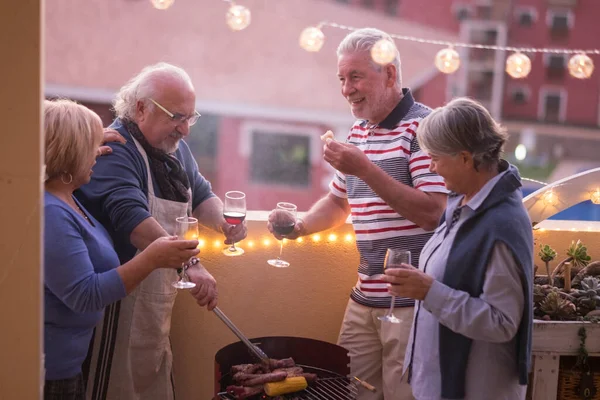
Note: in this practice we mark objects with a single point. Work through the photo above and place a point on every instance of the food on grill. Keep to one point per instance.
(275, 376)
(327, 135)
(288, 385)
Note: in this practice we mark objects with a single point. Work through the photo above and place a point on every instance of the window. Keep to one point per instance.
(368, 3)
(526, 16)
(484, 11)
(462, 12)
(555, 65)
(552, 107)
(203, 136)
(391, 7)
(520, 95)
(203, 142)
(560, 22)
(281, 159)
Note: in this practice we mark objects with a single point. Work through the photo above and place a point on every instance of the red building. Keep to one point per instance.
(264, 101)
(554, 115)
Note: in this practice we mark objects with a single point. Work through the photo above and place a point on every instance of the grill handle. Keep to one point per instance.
(255, 350)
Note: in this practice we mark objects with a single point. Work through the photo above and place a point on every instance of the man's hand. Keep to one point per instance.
(110, 135)
(408, 281)
(234, 233)
(346, 158)
(205, 292)
(274, 216)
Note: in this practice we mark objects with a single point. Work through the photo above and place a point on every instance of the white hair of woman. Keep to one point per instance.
(142, 87)
(463, 125)
(363, 40)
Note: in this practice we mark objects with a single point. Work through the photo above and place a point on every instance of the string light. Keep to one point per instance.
(201, 243)
(348, 237)
(316, 238)
(266, 242)
(238, 17)
(312, 39)
(251, 243)
(581, 66)
(162, 4)
(383, 52)
(217, 243)
(518, 65)
(595, 197)
(550, 198)
(332, 237)
(447, 60)
(299, 240)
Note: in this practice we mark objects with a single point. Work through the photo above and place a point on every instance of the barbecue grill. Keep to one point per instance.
(327, 360)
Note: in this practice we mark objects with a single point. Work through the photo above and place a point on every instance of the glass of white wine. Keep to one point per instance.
(394, 258)
(185, 228)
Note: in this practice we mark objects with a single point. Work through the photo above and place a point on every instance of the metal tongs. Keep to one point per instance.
(254, 349)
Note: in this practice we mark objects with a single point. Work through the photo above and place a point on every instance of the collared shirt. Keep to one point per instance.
(492, 320)
(392, 146)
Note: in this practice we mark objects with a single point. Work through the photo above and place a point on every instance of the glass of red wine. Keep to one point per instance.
(234, 212)
(283, 223)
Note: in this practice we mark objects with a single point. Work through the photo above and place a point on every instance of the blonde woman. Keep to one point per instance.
(82, 273)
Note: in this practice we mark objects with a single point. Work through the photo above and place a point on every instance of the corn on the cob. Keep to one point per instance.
(288, 385)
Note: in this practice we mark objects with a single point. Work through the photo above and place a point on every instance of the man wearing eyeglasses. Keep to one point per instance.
(137, 192)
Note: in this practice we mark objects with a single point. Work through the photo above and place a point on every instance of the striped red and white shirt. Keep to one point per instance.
(391, 145)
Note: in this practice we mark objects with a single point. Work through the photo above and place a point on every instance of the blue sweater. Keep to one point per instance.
(117, 193)
(501, 217)
(80, 279)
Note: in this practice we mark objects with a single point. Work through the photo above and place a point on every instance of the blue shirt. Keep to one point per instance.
(80, 279)
(117, 193)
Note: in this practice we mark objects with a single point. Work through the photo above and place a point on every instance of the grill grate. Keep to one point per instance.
(329, 386)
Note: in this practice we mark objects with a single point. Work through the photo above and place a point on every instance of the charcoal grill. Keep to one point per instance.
(327, 360)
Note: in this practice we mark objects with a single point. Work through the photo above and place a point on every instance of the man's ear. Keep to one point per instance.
(391, 74)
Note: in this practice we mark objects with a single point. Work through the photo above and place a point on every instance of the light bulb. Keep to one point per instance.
(316, 238)
(299, 240)
(162, 4)
(266, 242)
(447, 60)
(595, 197)
(312, 39)
(348, 237)
(520, 152)
(238, 17)
(332, 237)
(383, 52)
(581, 66)
(550, 198)
(518, 65)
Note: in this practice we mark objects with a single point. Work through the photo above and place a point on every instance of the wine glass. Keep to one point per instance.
(234, 212)
(283, 224)
(185, 228)
(393, 259)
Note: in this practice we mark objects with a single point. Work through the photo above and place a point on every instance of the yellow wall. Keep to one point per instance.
(20, 200)
(307, 299)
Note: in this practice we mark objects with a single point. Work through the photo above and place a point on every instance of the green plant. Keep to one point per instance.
(547, 254)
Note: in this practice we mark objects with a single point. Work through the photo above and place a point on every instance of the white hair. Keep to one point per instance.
(143, 86)
(463, 125)
(363, 40)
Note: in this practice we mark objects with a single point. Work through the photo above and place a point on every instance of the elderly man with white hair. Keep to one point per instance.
(383, 180)
(137, 192)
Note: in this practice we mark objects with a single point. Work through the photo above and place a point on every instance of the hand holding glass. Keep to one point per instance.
(185, 228)
(234, 212)
(393, 259)
(283, 224)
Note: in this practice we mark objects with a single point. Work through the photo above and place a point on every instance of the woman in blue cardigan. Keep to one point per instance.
(471, 333)
(82, 273)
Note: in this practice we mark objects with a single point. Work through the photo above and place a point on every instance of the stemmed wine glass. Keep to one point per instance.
(185, 228)
(393, 259)
(234, 212)
(283, 224)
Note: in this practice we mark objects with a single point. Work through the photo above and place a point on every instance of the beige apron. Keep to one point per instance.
(131, 355)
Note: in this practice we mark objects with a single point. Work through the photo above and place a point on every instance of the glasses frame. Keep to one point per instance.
(178, 118)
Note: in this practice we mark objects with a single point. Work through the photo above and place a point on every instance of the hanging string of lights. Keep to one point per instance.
(447, 60)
